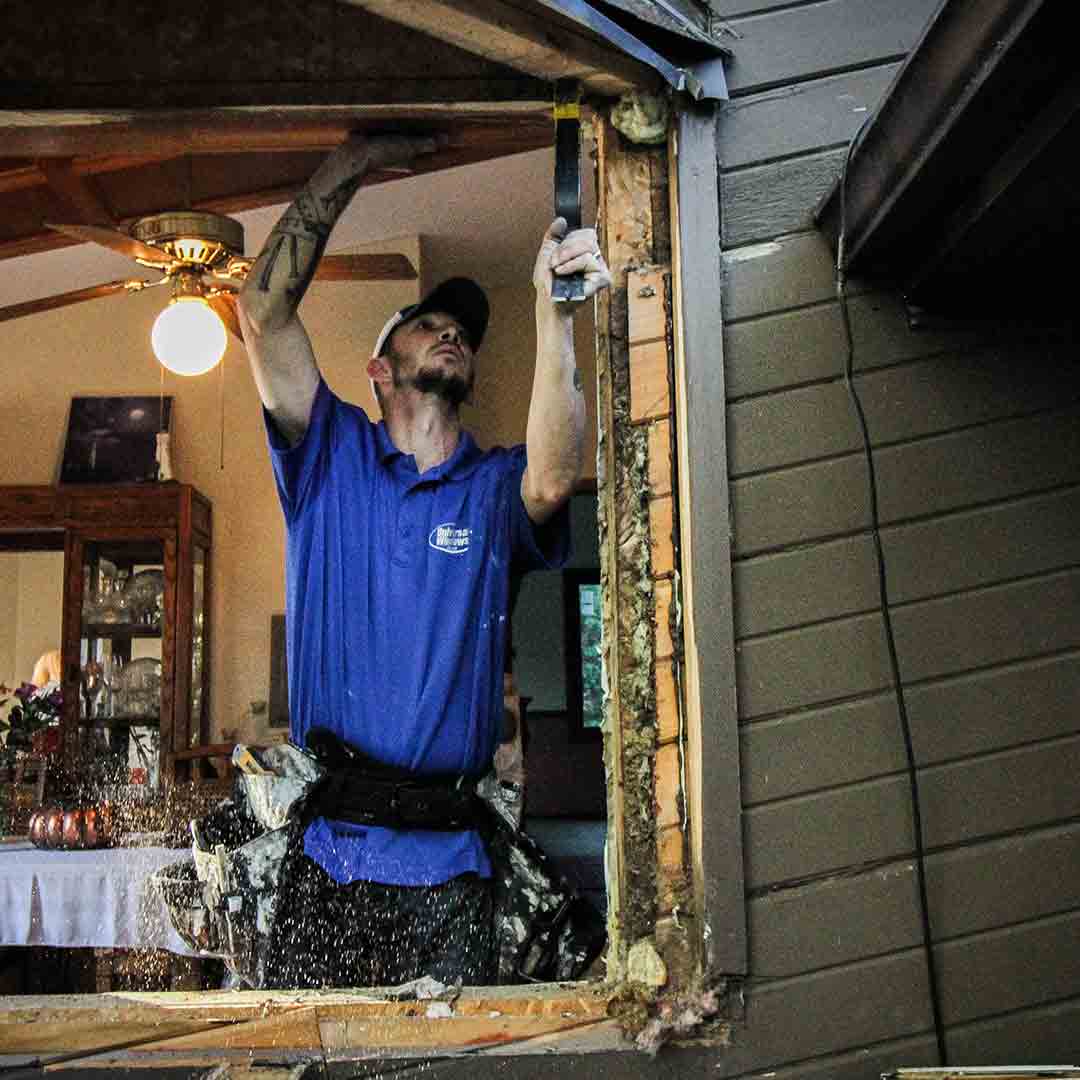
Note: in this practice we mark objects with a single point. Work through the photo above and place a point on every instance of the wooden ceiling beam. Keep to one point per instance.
(18, 174)
(263, 129)
(537, 43)
(76, 190)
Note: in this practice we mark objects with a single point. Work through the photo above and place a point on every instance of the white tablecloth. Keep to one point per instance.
(85, 899)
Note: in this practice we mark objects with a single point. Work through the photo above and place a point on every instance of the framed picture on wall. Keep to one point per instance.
(113, 440)
(582, 622)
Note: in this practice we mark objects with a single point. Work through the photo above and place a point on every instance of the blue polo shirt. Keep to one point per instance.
(397, 594)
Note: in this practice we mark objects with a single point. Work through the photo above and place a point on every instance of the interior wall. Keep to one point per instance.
(102, 348)
(9, 598)
(40, 609)
(504, 376)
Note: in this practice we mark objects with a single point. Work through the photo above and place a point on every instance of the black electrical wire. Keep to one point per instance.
(890, 639)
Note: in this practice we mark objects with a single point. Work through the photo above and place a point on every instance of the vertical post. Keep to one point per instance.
(708, 624)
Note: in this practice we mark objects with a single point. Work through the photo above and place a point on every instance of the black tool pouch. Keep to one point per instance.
(363, 791)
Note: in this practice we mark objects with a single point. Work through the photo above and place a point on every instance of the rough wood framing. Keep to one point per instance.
(632, 192)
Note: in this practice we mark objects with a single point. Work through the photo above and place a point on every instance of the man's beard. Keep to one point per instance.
(454, 389)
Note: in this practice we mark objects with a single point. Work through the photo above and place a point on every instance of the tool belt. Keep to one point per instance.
(362, 791)
(223, 900)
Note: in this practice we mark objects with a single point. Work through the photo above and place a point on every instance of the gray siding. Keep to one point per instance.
(977, 449)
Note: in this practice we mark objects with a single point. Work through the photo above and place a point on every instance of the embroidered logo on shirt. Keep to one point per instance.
(450, 538)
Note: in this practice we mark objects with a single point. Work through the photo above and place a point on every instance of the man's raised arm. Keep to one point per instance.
(282, 360)
(555, 435)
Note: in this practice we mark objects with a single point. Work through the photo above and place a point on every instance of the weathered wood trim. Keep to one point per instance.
(708, 625)
(537, 43)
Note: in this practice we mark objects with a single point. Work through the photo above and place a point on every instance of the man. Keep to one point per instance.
(402, 537)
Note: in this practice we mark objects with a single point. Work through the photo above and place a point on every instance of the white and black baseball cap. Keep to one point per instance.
(457, 296)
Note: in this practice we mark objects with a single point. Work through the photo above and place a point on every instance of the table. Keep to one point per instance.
(100, 899)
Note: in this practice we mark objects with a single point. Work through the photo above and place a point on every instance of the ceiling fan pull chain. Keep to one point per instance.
(221, 396)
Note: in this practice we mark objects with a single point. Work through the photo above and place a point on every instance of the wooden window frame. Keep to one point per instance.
(207, 1028)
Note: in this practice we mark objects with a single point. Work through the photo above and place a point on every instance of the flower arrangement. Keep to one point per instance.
(27, 710)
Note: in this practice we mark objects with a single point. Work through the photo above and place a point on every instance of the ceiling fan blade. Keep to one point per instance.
(378, 267)
(49, 303)
(115, 240)
(224, 305)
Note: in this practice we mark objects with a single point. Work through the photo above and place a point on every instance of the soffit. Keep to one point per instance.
(960, 191)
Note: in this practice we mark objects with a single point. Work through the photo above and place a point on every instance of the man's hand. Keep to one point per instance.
(567, 253)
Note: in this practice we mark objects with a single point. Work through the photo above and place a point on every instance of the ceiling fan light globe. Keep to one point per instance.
(188, 338)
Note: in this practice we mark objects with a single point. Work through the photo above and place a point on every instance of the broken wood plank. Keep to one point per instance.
(188, 1023)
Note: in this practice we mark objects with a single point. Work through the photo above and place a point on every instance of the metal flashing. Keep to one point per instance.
(703, 81)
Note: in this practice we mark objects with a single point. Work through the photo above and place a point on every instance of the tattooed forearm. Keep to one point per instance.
(291, 255)
(303, 232)
(334, 203)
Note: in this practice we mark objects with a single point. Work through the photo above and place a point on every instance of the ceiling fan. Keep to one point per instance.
(199, 254)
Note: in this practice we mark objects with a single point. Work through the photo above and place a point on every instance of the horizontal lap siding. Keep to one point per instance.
(977, 453)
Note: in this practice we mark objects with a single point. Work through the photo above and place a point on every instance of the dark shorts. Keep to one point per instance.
(368, 934)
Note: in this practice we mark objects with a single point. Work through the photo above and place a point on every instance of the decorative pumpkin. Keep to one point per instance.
(37, 828)
(72, 829)
(54, 827)
(97, 826)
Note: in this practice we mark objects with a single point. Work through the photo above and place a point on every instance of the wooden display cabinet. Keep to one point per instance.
(136, 584)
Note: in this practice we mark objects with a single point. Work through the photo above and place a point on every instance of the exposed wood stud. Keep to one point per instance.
(660, 531)
(667, 705)
(633, 234)
(662, 621)
(660, 457)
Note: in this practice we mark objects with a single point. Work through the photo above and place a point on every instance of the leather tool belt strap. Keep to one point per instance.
(362, 791)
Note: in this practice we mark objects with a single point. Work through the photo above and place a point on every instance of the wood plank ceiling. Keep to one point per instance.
(226, 108)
